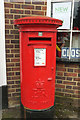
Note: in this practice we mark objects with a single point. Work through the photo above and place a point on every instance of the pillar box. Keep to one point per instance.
(37, 61)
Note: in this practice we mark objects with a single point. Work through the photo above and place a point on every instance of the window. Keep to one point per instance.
(68, 36)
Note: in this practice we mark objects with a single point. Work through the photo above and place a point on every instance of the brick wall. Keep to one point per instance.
(67, 74)
(68, 81)
(15, 9)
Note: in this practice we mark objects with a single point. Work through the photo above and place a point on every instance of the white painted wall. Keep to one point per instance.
(3, 80)
(49, 8)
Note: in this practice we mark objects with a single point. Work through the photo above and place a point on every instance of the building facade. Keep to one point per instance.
(67, 70)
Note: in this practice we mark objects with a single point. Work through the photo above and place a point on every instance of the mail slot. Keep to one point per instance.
(37, 40)
(37, 61)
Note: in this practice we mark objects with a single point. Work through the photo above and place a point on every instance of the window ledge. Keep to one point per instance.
(67, 60)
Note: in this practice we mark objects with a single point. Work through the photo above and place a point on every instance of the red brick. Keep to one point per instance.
(11, 22)
(9, 36)
(76, 87)
(7, 21)
(17, 64)
(16, 78)
(17, 6)
(27, 6)
(44, 7)
(16, 11)
(59, 77)
(15, 60)
(17, 82)
(9, 78)
(7, 60)
(15, 86)
(8, 26)
(58, 89)
(15, 41)
(6, 10)
(60, 73)
(18, 90)
(16, 36)
(9, 5)
(9, 46)
(16, 46)
(9, 55)
(38, 7)
(7, 51)
(16, 27)
(10, 64)
(67, 95)
(61, 65)
(16, 16)
(10, 74)
(27, 12)
(7, 41)
(17, 73)
(76, 79)
(68, 91)
(6, 31)
(14, 51)
(69, 78)
(15, 69)
(17, 55)
(27, 15)
(71, 65)
(76, 96)
(60, 86)
(70, 70)
(59, 81)
(78, 83)
(59, 93)
(10, 82)
(37, 12)
(9, 16)
(61, 69)
(70, 74)
(68, 87)
(77, 70)
(69, 83)
(14, 32)
(77, 92)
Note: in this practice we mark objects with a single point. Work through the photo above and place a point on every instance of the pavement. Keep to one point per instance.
(59, 114)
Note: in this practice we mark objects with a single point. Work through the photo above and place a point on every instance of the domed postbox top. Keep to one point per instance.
(38, 20)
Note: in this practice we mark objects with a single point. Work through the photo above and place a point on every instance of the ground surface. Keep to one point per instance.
(60, 113)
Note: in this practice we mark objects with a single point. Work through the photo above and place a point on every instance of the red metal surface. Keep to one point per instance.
(37, 82)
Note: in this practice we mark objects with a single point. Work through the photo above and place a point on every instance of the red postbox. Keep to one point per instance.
(37, 61)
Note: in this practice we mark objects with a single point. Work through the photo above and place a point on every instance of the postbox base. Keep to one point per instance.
(46, 113)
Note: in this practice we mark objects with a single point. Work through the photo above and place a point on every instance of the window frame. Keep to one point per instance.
(71, 31)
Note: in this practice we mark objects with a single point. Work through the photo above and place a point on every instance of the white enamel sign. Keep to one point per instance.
(62, 11)
(40, 57)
